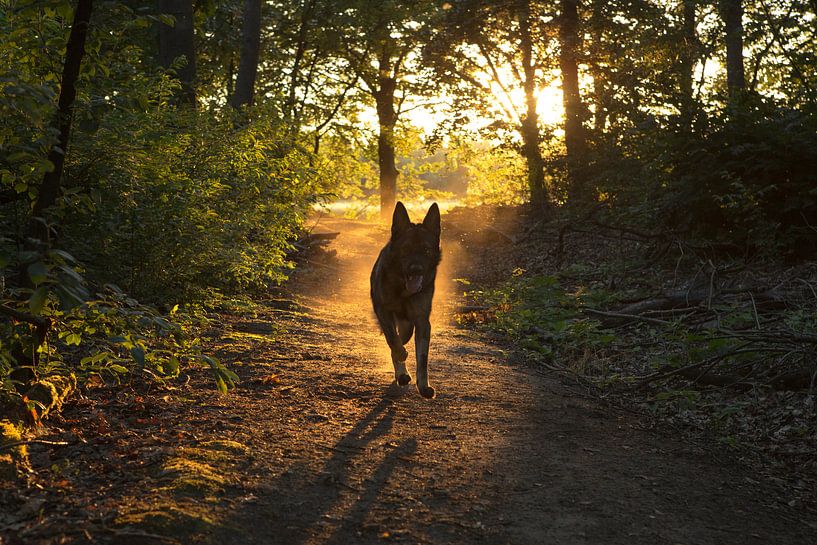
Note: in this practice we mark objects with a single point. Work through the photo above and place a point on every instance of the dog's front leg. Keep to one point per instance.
(398, 352)
(422, 337)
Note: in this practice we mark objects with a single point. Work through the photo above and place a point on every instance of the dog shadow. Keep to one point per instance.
(304, 505)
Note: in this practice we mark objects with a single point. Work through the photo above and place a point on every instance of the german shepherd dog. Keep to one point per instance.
(403, 287)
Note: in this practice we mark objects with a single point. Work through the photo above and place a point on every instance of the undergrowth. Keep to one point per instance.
(725, 347)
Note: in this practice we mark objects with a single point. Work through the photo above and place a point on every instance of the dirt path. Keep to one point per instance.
(316, 447)
(502, 455)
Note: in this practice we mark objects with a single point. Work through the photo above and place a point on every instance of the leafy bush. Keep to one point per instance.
(160, 204)
(542, 316)
(744, 177)
(752, 178)
(187, 202)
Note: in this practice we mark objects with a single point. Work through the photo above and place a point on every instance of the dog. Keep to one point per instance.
(402, 288)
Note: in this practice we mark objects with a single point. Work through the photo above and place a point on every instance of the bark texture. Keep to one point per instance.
(732, 14)
(75, 50)
(530, 123)
(177, 41)
(689, 54)
(574, 130)
(600, 90)
(387, 119)
(250, 52)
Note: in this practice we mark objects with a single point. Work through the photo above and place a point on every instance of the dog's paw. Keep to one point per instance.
(399, 354)
(404, 379)
(427, 392)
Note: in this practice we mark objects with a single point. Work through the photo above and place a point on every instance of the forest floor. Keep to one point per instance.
(317, 446)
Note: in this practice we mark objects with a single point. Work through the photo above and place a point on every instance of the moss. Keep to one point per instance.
(169, 520)
(192, 485)
(44, 393)
(226, 447)
(206, 470)
(242, 335)
(13, 461)
(51, 392)
(189, 476)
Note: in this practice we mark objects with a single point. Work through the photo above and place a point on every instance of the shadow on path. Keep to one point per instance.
(329, 505)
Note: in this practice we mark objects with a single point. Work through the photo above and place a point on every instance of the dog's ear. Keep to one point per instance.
(432, 220)
(400, 220)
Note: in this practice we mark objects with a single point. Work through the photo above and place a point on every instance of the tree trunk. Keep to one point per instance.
(74, 51)
(689, 51)
(300, 51)
(732, 14)
(574, 130)
(177, 41)
(600, 101)
(530, 123)
(387, 119)
(250, 50)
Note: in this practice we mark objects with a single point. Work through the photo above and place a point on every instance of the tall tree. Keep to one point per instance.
(485, 53)
(379, 41)
(596, 64)
(574, 108)
(306, 75)
(688, 57)
(530, 122)
(732, 14)
(176, 41)
(301, 48)
(74, 52)
(383, 91)
(250, 51)
(632, 55)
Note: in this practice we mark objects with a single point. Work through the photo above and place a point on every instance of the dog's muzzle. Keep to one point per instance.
(414, 284)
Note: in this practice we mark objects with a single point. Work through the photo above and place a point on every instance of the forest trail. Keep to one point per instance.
(316, 446)
(504, 454)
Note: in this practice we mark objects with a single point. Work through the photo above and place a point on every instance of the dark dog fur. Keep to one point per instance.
(403, 287)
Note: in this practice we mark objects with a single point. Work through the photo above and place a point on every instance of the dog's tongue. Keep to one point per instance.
(414, 284)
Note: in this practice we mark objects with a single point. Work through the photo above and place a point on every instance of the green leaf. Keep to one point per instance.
(72, 274)
(69, 297)
(138, 354)
(118, 368)
(173, 366)
(73, 339)
(211, 361)
(65, 255)
(229, 376)
(38, 272)
(47, 165)
(38, 299)
(65, 11)
(222, 387)
(96, 358)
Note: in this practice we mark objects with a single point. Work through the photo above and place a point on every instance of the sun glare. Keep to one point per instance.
(510, 105)
(549, 105)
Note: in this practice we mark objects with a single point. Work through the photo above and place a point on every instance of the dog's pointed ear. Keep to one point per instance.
(400, 220)
(432, 220)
